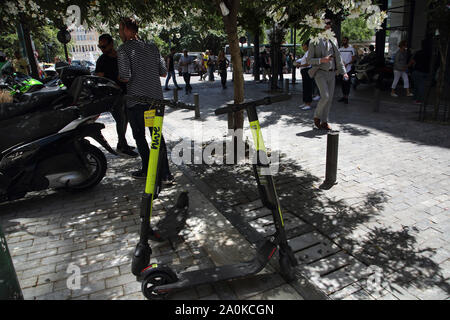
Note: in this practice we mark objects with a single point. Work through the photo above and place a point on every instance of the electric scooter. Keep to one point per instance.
(174, 220)
(159, 281)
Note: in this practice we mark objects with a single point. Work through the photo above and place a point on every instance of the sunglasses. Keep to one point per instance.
(102, 47)
(328, 23)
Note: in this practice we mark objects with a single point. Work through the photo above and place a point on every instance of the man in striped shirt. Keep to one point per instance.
(140, 66)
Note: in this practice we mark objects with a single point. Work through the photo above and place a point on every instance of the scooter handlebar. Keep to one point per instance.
(161, 102)
(241, 106)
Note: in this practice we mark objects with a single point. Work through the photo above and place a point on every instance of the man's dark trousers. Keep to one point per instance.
(187, 80)
(346, 84)
(307, 84)
(119, 114)
(137, 123)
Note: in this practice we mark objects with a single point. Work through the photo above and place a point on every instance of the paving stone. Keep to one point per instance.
(108, 294)
(284, 292)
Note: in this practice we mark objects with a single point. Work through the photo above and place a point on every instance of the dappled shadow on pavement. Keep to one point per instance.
(338, 220)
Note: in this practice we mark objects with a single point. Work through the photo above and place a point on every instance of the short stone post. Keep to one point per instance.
(331, 161)
(197, 106)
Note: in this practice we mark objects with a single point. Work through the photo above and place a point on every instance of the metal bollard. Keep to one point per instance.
(332, 159)
(377, 100)
(286, 85)
(175, 94)
(197, 106)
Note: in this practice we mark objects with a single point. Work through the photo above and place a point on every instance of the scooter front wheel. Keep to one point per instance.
(157, 277)
(287, 270)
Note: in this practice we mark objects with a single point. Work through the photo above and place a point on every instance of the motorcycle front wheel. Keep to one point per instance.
(97, 164)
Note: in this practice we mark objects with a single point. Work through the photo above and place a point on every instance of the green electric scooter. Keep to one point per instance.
(172, 223)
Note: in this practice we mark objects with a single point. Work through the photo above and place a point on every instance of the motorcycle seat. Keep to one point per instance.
(30, 102)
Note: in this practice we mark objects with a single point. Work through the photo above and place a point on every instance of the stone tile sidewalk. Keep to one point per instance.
(381, 232)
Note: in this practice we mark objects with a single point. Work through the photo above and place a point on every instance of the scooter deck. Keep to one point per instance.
(226, 272)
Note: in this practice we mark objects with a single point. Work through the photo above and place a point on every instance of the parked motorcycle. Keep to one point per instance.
(364, 71)
(22, 86)
(45, 147)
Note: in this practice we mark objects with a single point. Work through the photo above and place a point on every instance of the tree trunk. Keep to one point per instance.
(30, 52)
(293, 66)
(443, 51)
(256, 66)
(230, 22)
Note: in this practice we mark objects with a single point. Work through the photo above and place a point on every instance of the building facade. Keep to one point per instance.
(84, 45)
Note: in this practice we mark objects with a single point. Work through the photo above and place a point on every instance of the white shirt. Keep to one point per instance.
(188, 60)
(302, 60)
(347, 54)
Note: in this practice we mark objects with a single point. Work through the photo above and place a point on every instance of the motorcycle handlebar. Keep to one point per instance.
(161, 102)
(241, 106)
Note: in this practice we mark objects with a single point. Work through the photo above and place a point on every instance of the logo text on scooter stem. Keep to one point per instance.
(156, 137)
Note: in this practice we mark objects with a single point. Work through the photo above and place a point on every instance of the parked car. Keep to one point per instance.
(194, 68)
(84, 63)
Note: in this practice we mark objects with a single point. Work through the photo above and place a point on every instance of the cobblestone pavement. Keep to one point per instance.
(380, 233)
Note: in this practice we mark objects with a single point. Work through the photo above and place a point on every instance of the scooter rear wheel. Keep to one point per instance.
(157, 277)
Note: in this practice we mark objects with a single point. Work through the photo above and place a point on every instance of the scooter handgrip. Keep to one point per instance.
(279, 98)
(223, 110)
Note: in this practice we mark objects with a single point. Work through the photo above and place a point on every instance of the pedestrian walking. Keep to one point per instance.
(326, 61)
(265, 63)
(106, 66)
(307, 81)
(205, 63)
(20, 64)
(211, 65)
(400, 69)
(185, 62)
(201, 67)
(171, 70)
(140, 66)
(421, 69)
(348, 54)
(223, 64)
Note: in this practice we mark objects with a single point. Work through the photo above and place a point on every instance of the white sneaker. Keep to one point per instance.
(394, 95)
(316, 98)
(410, 95)
(306, 107)
(301, 106)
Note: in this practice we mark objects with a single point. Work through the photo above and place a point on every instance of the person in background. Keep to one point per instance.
(265, 64)
(400, 69)
(421, 69)
(5, 65)
(171, 70)
(140, 66)
(205, 63)
(348, 55)
(201, 67)
(211, 65)
(223, 64)
(185, 62)
(107, 67)
(325, 58)
(307, 81)
(20, 64)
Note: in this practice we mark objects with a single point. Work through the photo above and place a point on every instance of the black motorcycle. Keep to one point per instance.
(43, 140)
